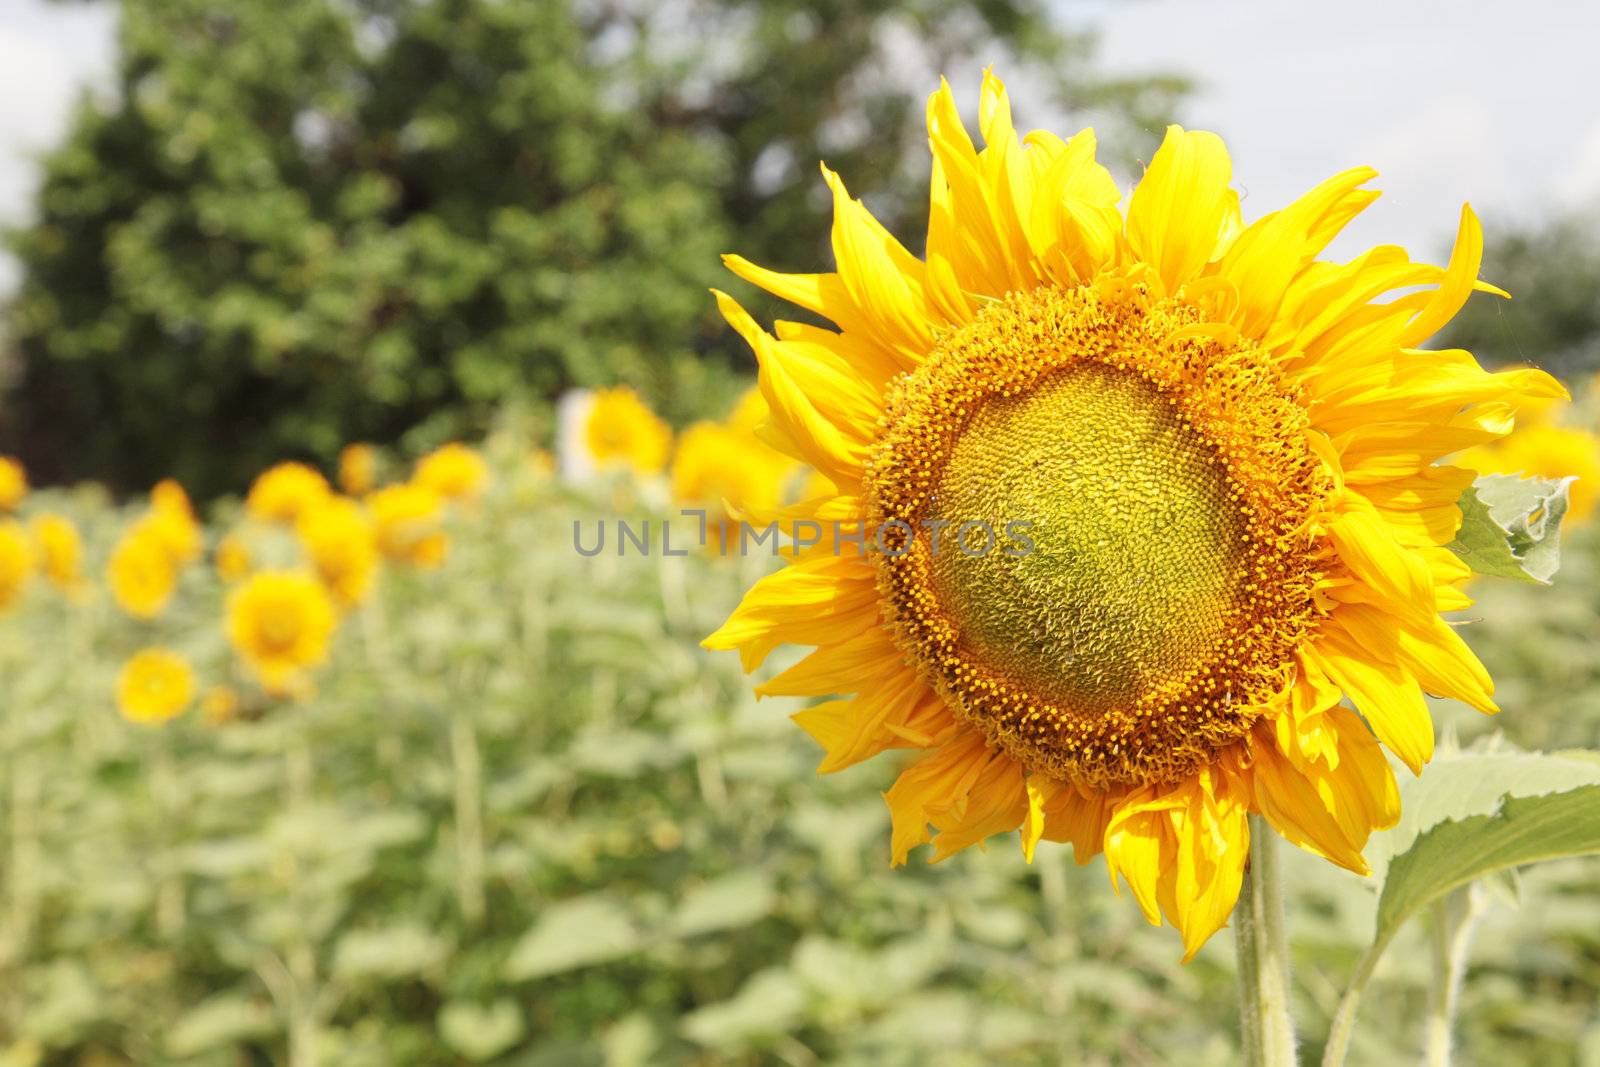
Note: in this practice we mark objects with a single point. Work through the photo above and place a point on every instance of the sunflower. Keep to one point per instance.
(339, 541)
(282, 492)
(16, 562)
(358, 469)
(619, 431)
(1185, 473)
(154, 686)
(169, 495)
(406, 518)
(173, 530)
(60, 550)
(219, 705)
(231, 558)
(454, 471)
(142, 573)
(723, 465)
(281, 623)
(13, 483)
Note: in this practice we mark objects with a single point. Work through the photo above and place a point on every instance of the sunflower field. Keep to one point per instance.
(471, 508)
(459, 793)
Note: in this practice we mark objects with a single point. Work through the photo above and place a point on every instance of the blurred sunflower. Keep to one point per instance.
(13, 483)
(16, 562)
(406, 518)
(717, 465)
(219, 705)
(339, 541)
(169, 495)
(173, 528)
(280, 493)
(232, 557)
(60, 550)
(358, 469)
(454, 471)
(142, 573)
(154, 686)
(1225, 449)
(280, 623)
(613, 429)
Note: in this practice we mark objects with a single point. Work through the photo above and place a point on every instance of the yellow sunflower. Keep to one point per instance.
(1185, 476)
(142, 573)
(16, 562)
(454, 471)
(175, 531)
(154, 686)
(60, 550)
(13, 482)
(620, 430)
(219, 705)
(281, 623)
(169, 495)
(232, 558)
(406, 518)
(718, 464)
(358, 469)
(339, 541)
(282, 492)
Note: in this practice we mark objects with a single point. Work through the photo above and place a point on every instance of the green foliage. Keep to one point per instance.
(1511, 527)
(640, 866)
(302, 222)
(1522, 830)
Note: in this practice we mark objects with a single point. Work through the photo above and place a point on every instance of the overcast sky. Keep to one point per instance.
(1451, 100)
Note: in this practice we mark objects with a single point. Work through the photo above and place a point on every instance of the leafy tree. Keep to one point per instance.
(299, 222)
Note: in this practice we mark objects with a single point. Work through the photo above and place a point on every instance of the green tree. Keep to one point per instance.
(300, 222)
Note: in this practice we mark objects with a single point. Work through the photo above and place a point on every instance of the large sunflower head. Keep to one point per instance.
(1147, 493)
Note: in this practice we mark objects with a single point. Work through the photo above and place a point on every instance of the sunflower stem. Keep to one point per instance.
(1450, 931)
(1267, 1029)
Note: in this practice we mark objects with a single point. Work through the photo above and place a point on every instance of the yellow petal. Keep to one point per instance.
(1384, 692)
(1459, 280)
(818, 600)
(1265, 258)
(1176, 215)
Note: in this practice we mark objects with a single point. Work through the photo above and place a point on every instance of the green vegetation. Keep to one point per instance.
(304, 222)
(526, 821)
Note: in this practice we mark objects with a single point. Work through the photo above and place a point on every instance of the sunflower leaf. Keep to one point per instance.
(1456, 852)
(1475, 783)
(1510, 526)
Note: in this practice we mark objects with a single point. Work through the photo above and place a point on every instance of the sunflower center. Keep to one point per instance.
(1136, 551)
(1095, 521)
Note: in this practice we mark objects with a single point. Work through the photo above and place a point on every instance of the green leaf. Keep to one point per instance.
(725, 904)
(574, 933)
(226, 1019)
(1457, 852)
(481, 1031)
(1510, 526)
(388, 953)
(1475, 783)
(768, 1005)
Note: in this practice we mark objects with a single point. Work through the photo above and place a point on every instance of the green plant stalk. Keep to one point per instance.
(1263, 946)
(467, 761)
(166, 788)
(1451, 926)
(299, 769)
